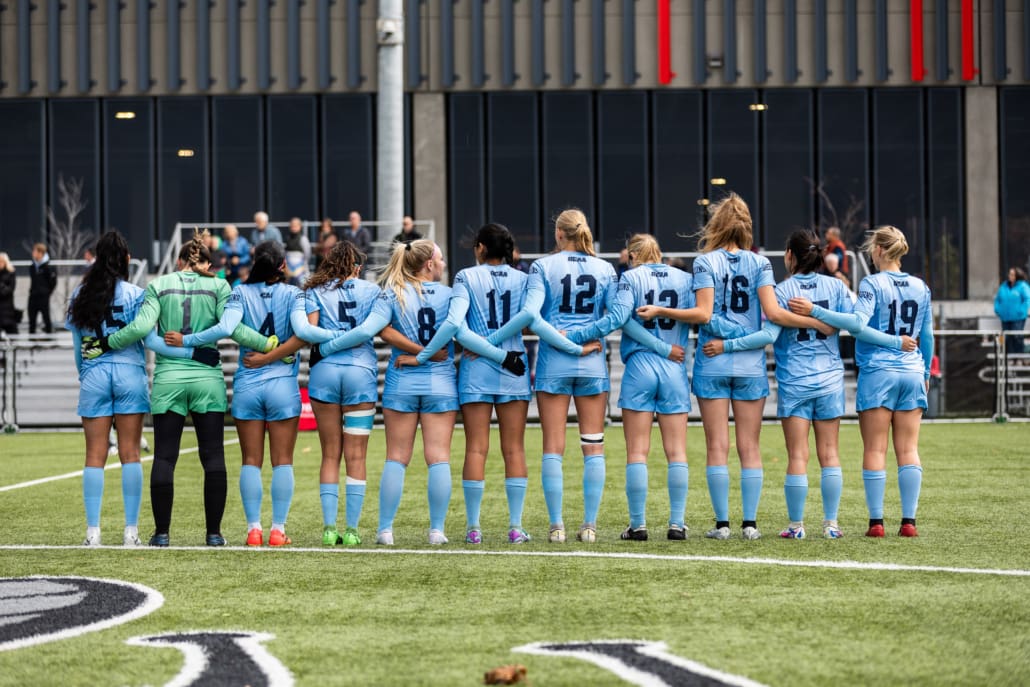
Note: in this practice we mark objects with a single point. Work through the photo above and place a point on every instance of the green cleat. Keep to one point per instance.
(351, 537)
(330, 536)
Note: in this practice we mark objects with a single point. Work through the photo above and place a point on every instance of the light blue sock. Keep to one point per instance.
(439, 494)
(329, 494)
(718, 478)
(355, 491)
(515, 490)
(551, 474)
(92, 494)
(593, 486)
(679, 477)
(910, 481)
(391, 486)
(132, 492)
(874, 481)
(751, 491)
(251, 492)
(831, 484)
(282, 493)
(473, 490)
(795, 489)
(636, 493)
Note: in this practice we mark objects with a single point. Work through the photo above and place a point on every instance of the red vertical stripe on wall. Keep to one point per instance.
(915, 8)
(969, 70)
(665, 74)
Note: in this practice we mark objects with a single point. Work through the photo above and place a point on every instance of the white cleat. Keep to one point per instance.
(556, 534)
(587, 534)
(385, 537)
(131, 539)
(436, 537)
(91, 539)
(720, 533)
(750, 533)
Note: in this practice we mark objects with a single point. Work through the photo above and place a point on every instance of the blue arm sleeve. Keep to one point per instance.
(157, 344)
(763, 337)
(636, 331)
(307, 331)
(373, 324)
(721, 327)
(231, 318)
(530, 311)
(456, 311)
(871, 336)
(77, 343)
(475, 343)
(926, 346)
(548, 333)
(853, 322)
(620, 309)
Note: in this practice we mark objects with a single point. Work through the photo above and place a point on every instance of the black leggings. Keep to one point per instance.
(210, 428)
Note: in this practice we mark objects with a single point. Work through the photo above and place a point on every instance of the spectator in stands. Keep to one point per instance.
(324, 248)
(360, 236)
(42, 282)
(623, 263)
(835, 245)
(298, 252)
(1011, 304)
(9, 317)
(218, 257)
(264, 231)
(831, 268)
(408, 232)
(237, 251)
(325, 230)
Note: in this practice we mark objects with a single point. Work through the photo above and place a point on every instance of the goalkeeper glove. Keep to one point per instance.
(93, 348)
(207, 356)
(273, 342)
(315, 356)
(513, 364)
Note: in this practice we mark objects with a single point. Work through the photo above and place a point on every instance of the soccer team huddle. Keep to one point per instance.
(572, 300)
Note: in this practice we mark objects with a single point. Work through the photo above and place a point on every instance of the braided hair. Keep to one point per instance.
(195, 251)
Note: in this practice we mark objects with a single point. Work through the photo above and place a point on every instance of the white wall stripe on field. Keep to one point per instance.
(78, 473)
(832, 565)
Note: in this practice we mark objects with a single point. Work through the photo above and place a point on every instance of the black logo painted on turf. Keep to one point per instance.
(34, 610)
(641, 663)
(216, 659)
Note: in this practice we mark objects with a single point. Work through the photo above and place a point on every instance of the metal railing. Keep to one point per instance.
(137, 267)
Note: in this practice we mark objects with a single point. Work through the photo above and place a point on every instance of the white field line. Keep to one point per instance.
(111, 466)
(831, 565)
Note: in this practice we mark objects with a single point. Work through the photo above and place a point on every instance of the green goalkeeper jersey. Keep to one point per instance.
(183, 302)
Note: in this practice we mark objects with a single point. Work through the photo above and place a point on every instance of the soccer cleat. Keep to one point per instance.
(556, 535)
(908, 530)
(331, 536)
(517, 535)
(634, 533)
(215, 540)
(159, 540)
(92, 540)
(436, 537)
(875, 531)
(255, 537)
(587, 534)
(831, 530)
(131, 539)
(278, 538)
(351, 537)
(750, 533)
(385, 537)
(720, 533)
(676, 532)
(473, 536)
(793, 531)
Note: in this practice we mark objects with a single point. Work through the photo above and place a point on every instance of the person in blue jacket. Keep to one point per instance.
(1011, 304)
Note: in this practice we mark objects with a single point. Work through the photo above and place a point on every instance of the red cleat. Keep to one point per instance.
(255, 537)
(278, 538)
(876, 531)
(908, 530)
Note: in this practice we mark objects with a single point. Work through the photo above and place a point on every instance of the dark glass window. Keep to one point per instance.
(22, 176)
(842, 183)
(183, 188)
(733, 150)
(129, 172)
(898, 173)
(678, 168)
(946, 219)
(787, 165)
(513, 186)
(623, 206)
(465, 179)
(292, 160)
(75, 156)
(1015, 170)
(239, 162)
(348, 158)
(567, 158)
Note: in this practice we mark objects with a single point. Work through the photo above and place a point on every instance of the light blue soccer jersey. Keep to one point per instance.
(343, 309)
(266, 308)
(662, 285)
(807, 361)
(897, 304)
(736, 278)
(417, 319)
(576, 288)
(494, 294)
(123, 309)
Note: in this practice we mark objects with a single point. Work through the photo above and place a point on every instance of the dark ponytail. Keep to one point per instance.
(498, 241)
(807, 251)
(89, 308)
(268, 262)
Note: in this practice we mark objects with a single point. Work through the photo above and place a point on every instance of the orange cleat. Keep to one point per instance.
(255, 537)
(278, 538)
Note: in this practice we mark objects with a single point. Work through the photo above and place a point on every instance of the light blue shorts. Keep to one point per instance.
(572, 386)
(737, 388)
(826, 407)
(651, 385)
(427, 403)
(272, 400)
(891, 389)
(344, 385)
(493, 399)
(107, 390)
